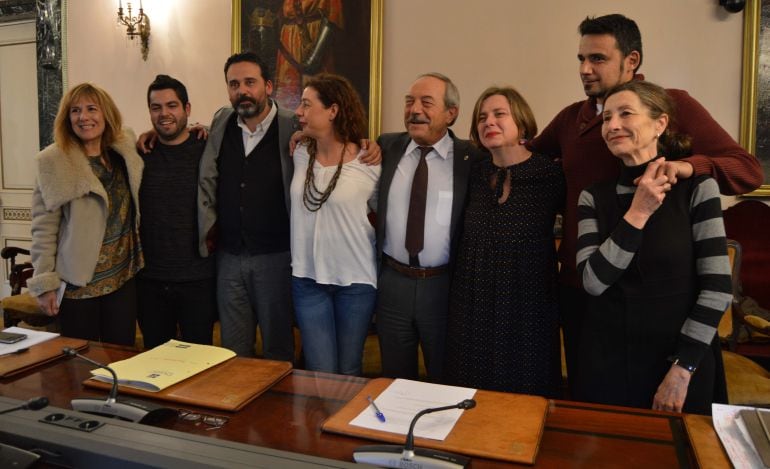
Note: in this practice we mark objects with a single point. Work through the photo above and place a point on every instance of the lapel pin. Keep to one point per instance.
(466, 158)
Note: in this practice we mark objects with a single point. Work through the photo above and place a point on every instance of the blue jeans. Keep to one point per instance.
(334, 321)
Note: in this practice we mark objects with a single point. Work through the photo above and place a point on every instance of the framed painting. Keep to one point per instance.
(17, 10)
(755, 87)
(300, 38)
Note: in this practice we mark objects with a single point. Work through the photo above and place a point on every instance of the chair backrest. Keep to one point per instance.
(18, 273)
(725, 328)
(748, 222)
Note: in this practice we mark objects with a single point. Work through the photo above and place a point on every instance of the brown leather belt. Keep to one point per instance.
(414, 272)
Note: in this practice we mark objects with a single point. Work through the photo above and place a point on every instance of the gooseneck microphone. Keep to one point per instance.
(134, 410)
(407, 455)
(409, 446)
(113, 397)
(36, 403)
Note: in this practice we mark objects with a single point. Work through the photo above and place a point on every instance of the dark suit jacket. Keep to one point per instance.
(393, 147)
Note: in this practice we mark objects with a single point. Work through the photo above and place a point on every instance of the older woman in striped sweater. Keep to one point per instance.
(652, 255)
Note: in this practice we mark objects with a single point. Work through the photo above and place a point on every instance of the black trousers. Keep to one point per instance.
(164, 306)
(412, 312)
(109, 318)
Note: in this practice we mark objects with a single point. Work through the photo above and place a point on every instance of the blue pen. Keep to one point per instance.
(377, 412)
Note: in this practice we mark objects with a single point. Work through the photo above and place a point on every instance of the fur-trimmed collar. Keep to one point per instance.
(63, 177)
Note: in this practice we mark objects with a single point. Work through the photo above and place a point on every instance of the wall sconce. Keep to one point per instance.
(138, 25)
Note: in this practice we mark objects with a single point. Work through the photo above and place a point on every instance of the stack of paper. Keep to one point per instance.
(165, 365)
(744, 434)
(34, 337)
(404, 398)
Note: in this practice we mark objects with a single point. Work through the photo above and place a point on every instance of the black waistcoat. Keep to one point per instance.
(251, 208)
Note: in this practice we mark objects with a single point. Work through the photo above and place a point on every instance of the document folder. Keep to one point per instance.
(228, 386)
(502, 426)
(38, 354)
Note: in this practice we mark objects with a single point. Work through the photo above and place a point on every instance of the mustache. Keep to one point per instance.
(417, 120)
(246, 99)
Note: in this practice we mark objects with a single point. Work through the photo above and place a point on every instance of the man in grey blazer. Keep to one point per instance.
(243, 210)
(416, 253)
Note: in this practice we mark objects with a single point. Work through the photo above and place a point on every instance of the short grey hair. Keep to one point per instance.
(451, 95)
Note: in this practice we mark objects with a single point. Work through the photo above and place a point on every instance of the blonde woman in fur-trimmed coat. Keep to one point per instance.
(85, 220)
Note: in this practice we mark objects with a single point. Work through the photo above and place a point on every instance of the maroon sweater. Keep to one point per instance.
(574, 135)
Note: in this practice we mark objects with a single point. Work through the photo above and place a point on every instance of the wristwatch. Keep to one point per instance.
(675, 360)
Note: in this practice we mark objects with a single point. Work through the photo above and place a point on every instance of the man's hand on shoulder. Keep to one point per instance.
(372, 155)
(295, 139)
(200, 131)
(673, 170)
(146, 141)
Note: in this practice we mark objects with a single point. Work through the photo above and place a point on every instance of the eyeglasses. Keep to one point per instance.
(213, 421)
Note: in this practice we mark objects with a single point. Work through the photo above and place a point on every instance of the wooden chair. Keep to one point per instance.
(727, 329)
(748, 383)
(748, 222)
(21, 306)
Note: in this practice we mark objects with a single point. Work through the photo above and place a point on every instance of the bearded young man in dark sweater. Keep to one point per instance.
(176, 289)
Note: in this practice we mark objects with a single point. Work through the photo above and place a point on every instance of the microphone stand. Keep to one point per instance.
(133, 410)
(113, 397)
(407, 455)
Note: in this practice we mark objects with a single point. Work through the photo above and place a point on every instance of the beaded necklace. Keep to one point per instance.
(311, 196)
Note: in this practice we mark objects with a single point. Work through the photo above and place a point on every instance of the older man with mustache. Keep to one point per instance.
(422, 189)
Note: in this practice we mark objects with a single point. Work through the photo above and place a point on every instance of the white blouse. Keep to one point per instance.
(336, 244)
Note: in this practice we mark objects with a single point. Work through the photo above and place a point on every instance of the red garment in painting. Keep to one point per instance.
(301, 25)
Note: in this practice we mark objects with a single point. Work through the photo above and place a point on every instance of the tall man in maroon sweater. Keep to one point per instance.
(610, 53)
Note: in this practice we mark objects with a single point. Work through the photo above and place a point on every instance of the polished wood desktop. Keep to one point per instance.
(290, 414)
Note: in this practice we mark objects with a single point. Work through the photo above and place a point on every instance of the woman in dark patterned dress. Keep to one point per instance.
(503, 331)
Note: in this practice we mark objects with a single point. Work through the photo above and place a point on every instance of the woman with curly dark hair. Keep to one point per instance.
(332, 241)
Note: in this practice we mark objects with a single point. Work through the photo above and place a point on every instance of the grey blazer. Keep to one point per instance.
(209, 174)
(393, 146)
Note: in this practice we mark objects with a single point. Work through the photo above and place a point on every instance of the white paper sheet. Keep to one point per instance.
(404, 398)
(60, 293)
(33, 337)
(735, 437)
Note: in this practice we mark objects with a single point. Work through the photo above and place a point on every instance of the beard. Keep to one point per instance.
(246, 112)
(170, 134)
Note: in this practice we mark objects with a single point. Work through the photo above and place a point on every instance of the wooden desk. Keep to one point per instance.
(289, 417)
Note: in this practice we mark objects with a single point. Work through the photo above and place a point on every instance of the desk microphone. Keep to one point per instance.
(407, 455)
(133, 410)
